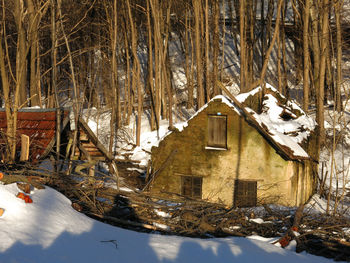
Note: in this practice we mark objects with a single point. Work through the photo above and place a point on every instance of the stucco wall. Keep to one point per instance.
(248, 157)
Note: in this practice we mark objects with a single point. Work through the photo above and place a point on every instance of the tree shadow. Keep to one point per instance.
(237, 249)
(100, 244)
(122, 209)
(105, 243)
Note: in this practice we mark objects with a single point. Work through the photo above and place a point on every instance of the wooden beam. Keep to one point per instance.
(24, 148)
(94, 139)
(84, 151)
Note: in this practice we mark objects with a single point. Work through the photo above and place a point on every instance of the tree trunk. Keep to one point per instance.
(279, 71)
(250, 42)
(207, 82)
(306, 89)
(223, 44)
(262, 32)
(198, 47)
(150, 84)
(21, 54)
(10, 106)
(324, 46)
(338, 8)
(157, 60)
(76, 108)
(268, 52)
(136, 74)
(113, 33)
(34, 18)
(298, 48)
(315, 49)
(216, 48)
(188, 61)
(128, 102)
(284, 52)
(243, 70)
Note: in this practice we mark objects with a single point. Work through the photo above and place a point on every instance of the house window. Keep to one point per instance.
(217, 131)
(245, 194)
(191, 186)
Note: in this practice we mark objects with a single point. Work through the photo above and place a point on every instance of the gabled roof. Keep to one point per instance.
(39, 125)
(281, 122)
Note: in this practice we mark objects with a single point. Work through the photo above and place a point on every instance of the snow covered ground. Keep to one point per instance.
(50, 230)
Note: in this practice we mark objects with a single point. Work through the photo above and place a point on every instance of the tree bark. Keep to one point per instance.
(216, 48)
(315, 49)
(243, 70)
(207, 82)
(150, 84)
(198, 47)
(136, 74)
(324, 46)
(189, 60)
(338, 8)
(268, 52)
(34, 88)
(10, 105)
(306, 89)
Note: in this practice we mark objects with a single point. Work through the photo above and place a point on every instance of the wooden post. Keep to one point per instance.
(58, 138)
(24, 148)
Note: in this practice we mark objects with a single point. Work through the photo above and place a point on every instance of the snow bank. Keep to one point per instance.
(50, 230)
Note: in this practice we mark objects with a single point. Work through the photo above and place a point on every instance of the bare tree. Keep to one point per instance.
(36, 10)
(14, 71)
(216, 48)
(243, 62)
(320, 88)
(136, 73)
(337, 10)
(197, 6)
(306, 89)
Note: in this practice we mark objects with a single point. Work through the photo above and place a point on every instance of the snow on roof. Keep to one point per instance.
(285, 122)
(225, 100)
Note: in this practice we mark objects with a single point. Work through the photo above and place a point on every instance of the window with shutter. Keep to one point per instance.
(245, 194)
(217, 131)
(191, 186)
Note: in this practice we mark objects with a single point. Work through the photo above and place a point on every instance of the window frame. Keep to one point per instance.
(212, 142)
(193, 187)
(245, 193)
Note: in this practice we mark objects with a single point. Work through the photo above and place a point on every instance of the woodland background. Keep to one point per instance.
(122, 55)
(132, 58)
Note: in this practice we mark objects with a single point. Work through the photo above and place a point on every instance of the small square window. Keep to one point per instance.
(217, 131)
(191, 186)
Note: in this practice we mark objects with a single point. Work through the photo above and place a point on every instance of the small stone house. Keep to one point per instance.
(256, 148)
